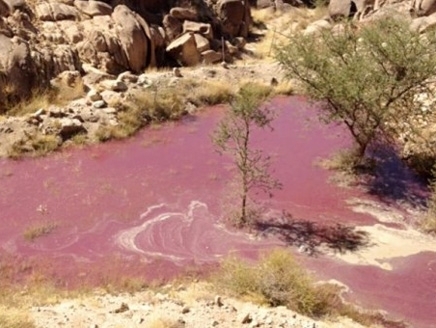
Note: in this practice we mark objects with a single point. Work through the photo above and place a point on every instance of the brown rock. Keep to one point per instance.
(93, 8)
(184, 50)
(425, 7)
(199, 28)
(172, 27)
(202, 43)
(422, 24)
(132, 38)
(211, 56)
(233, 16)
(184, 14)
(55, 12)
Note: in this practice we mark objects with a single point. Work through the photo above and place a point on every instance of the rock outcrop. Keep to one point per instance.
(39, 40)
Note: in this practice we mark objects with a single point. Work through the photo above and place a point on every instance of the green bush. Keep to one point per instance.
(365, 78)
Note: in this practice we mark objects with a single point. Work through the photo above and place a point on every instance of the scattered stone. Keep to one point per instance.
(56, 112)
(215, 323)
(70, 127)
(186, 309)
(143, 80)
(39, 112)
(176, 72)
(246, 318)
(93, 95)
(218, 301)
(128, 77)
(110, 110)
(211, 56)
(123, 308)
(113, 85)
(99, 104)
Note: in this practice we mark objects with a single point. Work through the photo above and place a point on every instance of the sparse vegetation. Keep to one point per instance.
(276, 280)
(38, 144)
(38, 230)
(233, 136)
(14, 318)
(45, 98)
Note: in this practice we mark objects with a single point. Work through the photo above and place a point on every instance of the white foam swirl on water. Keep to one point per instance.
(127, 239)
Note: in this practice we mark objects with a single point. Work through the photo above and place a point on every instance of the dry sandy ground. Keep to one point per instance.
(193, 306)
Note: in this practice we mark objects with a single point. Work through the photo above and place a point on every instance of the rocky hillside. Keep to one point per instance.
(40, 39)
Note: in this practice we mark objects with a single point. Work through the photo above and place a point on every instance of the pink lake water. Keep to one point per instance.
(153, 205)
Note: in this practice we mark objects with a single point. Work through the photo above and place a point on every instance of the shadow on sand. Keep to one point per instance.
(392, 181)
(311, 237)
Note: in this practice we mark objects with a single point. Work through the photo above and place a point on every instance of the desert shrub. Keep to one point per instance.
(277, 280)
(364, 78)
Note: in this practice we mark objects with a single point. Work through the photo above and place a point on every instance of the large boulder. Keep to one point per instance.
(422, 24)
(7, 7)
(340, 8)
(424, 7)
(184, 50)
(122, 41)
(204, 29)
(233, 17)
(93, 8)
(18, 74)
(55, 11)
(184, 13)
(172, 26)
(132, 37)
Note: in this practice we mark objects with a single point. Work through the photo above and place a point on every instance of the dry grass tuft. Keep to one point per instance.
(210, 93)
(276, 280)
(343, 164)
(39, 99)
(14, 318)
(37, 145)
(284, 88)
(39, 230)
(44, 98)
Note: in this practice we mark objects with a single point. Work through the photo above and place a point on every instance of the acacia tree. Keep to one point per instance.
(366, 78)
(234, 136)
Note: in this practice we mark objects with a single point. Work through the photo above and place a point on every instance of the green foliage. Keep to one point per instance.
(365, 78)
(278, 280)
(233, 136)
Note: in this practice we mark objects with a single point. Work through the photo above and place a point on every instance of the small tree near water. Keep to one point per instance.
(234, 136)
(365, 78)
